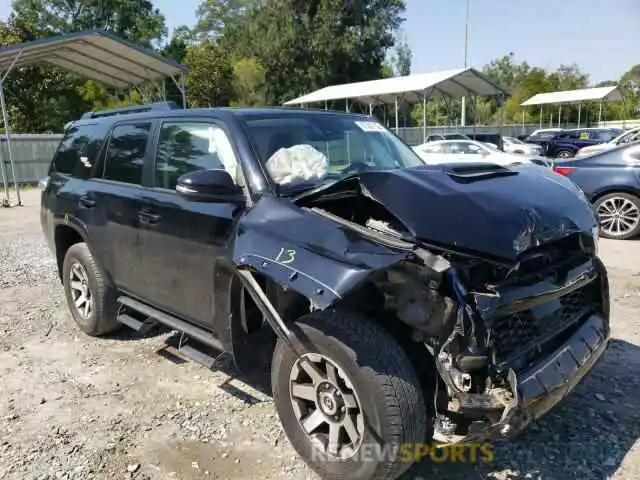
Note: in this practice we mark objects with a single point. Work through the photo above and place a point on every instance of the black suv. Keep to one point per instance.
(395, 303)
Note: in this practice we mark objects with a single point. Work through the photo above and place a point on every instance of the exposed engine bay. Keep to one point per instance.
(491, 324)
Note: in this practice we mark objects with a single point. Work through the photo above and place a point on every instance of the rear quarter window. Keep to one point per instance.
(78, 151)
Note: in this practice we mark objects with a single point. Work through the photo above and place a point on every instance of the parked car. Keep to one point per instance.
(447, 136)
(629, 136)
(491, 139)
(543, 131)
(610, 180)
(384, 296)
(515, 145)
(566, 143)
(448, 151)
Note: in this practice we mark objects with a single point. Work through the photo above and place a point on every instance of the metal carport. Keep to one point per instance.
(415, 88)
(96, 55)
(597, 94)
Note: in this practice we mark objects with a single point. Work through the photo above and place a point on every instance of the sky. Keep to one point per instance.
(602, 36)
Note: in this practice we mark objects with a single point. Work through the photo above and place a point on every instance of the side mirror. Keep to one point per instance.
(209, 186)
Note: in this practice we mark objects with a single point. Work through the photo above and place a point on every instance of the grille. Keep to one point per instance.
(522, 338)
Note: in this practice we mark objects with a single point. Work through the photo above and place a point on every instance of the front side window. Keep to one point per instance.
(313, 148)
(185, 147)
(126, 153)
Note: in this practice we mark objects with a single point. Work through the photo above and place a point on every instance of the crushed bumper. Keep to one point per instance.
(540, 388)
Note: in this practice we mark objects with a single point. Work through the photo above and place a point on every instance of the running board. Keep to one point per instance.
(197, 333)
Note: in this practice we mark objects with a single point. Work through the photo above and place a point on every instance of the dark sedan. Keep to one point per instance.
(611, 182)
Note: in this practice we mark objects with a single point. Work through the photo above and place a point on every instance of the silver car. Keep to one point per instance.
(630, 136)
(514, 145)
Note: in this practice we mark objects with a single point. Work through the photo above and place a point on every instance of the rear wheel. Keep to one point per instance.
(565, 154)
(351, 402)
(618, 215)
(90, 298)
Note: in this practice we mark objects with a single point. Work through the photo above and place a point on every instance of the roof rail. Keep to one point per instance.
(170, 105)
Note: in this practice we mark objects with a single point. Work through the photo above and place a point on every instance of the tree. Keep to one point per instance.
(214, 15)
(248, 82)
(210, 80)
(402, 57)
(134, 20)
(305, 45)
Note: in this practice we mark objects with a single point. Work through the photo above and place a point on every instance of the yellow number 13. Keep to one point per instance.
(286, 256)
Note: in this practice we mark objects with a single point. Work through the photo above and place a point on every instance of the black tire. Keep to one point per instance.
(565, 154)
(102, 317)
(633, 232)
(383, 379)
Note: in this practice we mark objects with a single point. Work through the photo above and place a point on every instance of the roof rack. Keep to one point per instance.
(170, 105)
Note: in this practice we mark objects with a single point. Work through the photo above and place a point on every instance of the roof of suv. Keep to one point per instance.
(171, 109)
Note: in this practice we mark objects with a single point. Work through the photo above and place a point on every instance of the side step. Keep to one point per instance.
(197, 333)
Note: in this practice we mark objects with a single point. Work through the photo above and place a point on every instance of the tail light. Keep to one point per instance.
(563, 170)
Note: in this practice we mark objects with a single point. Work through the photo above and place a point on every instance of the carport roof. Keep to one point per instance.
(602, 94)
(96, 55)
(446, 83)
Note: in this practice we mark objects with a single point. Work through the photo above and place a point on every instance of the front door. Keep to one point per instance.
(181, 239)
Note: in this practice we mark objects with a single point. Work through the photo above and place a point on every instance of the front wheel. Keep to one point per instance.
(349, 404)
(618, 215)
(565, 154)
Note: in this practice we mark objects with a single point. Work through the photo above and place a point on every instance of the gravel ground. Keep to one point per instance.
(74, 407)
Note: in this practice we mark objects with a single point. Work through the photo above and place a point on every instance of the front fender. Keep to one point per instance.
(308, 253)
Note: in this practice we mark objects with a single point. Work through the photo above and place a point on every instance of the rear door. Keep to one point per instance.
(73, 166)
(115, 197)
(181, 239)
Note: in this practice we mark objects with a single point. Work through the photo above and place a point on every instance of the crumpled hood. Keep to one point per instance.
(501, 216)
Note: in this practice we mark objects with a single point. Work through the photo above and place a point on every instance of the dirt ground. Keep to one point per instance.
(75, 407)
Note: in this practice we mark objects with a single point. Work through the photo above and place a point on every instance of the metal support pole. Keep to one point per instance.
(540, 116)
(326, 105)
(579, 112)
(474, 104)
(7, 132)
(523, 121)
(502, 105)
(346, 108)
(424, 118)
(559, 115)
(5, 181)
(463, 106)
(371, 109)
(600, 114)
(396, 105)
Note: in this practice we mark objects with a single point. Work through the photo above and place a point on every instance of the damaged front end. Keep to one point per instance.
(521, 343)
(510, 332)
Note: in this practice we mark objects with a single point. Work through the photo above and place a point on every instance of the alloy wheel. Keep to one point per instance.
(80, 291)
(618, 216)
(326, 405)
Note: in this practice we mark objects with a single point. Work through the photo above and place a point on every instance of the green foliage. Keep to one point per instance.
(210, 80)
(264, 52)
(135, 20)
(249, 83)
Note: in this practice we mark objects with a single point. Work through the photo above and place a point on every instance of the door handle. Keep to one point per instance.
(86, 202)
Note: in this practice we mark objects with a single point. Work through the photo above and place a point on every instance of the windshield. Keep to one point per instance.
(307, 149)
(514, 140)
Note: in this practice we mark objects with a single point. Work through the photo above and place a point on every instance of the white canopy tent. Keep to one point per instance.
(416, 88)
(599, 94)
